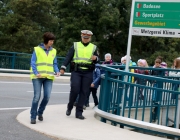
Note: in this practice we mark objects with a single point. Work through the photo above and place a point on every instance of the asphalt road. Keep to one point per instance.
(15, 96)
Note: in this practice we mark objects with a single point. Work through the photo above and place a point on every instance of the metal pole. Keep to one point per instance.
(13, 61)
(130, 37)
(128, 49)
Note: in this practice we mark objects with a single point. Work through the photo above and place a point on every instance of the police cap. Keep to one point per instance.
(86, 34)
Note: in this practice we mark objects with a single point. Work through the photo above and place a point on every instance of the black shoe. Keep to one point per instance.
(87, 105)
(68, 112)
(80, 117)
(40, 117)
(33, 121)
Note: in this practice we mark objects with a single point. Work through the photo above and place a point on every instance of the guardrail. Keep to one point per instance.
(15, 60)
(157, 101)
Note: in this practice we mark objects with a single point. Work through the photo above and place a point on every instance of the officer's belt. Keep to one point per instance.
(83, 65)
(79, 69)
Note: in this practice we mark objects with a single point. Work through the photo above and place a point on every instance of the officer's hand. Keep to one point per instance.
(58, 74)
(39, 75)
(92, 85)
(62, 72)
(93, 57)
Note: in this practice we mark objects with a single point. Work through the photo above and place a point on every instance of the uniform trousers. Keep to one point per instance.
(80, 83)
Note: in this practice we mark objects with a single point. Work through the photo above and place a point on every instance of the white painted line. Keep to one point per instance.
(14, 97)
(15, 82)
(4, 82)
(61, 84)
(15, 108)
(52, 92)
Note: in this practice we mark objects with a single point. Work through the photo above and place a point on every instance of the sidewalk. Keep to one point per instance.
(58, 125)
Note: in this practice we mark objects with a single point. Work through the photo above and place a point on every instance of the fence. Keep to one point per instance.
(153, 101)
(14, 60)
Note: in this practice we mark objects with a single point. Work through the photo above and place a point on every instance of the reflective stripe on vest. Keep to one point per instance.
(83, 54)
(44, 63)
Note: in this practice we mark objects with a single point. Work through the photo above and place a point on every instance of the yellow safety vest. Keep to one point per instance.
(83, 54)
(44, 63)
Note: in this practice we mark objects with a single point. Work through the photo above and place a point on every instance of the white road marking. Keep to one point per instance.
(61, 84)
(14, 97)
(3, 82)
(15, 108)
(15, 82)
(52, 92)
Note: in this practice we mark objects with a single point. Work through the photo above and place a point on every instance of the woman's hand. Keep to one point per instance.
(39, 75)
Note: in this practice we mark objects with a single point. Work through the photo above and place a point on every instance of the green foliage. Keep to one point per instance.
(151, 47)
(23, 22)
(102, 17)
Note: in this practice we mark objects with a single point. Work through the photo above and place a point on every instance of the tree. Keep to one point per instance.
(26, 21)
(22, 23)
(151, 47)
(102, 17)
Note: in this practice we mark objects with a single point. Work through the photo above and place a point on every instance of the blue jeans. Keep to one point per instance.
(47, 87)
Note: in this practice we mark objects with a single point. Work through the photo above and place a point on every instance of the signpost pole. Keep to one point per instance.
(128, 51)
(129, 37)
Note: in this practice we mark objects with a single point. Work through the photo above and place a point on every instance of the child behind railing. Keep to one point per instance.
(176, 65)
(141, 81)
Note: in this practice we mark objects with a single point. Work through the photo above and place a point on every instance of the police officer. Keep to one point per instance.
(83, 56)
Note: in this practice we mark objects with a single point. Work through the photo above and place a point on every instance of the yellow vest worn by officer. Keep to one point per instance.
(44, 63)
(83, 54)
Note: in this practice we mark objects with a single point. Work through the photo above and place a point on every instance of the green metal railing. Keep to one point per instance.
(14, 60)
(156, 101)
